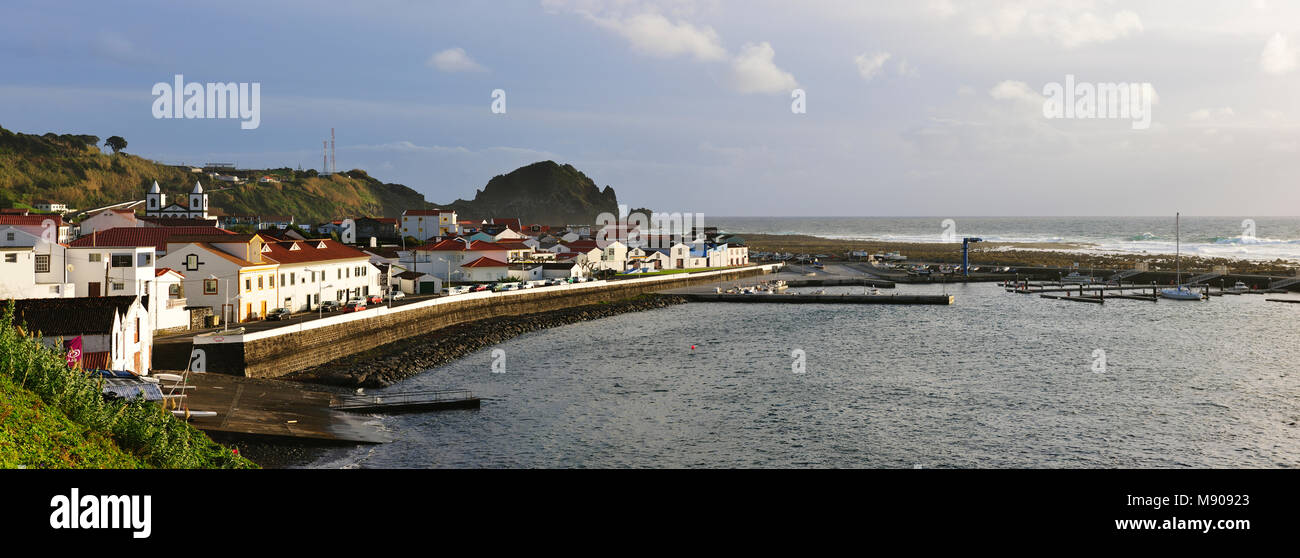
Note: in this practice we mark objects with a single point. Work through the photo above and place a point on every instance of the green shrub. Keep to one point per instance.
(144, 429)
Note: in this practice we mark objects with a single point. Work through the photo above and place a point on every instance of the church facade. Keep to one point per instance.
(155, 204)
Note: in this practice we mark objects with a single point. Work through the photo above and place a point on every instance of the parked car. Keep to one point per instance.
(374, 299)
(355, 305)
(329, 306)
(278, 314)
(478, 288)
(396, 295)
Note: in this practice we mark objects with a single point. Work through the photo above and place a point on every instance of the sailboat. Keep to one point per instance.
(1180, 291)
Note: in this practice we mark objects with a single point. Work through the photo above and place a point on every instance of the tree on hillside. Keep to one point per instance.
(116, 143)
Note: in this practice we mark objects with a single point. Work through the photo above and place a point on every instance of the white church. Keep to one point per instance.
(156, 204)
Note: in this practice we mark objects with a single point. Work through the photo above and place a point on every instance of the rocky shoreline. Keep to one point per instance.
(391, 363)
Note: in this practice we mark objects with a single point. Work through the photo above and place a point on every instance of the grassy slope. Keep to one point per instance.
(34, 435)
(145, 430)
(64, 169)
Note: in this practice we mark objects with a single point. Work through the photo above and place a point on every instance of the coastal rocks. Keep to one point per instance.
(388, 364)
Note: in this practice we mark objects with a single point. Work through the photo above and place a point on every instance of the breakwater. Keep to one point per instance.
(387, 364)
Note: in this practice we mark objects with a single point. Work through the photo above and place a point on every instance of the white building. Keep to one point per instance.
(166, 301)
(424, 224)
(114, 330)
(156, 204)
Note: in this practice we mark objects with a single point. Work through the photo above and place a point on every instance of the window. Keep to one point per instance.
(96, 258)
(121, 260)
(144, 259)
(137, 330)
(118, 286)
(42, 263)
(174, 290)
(259, 282)
(293, 280)
(11, 258)
(282, 282)
(248, 285)
(9, 235)
(272, 280)
(209, 286)
(191, 262)
(339, 270)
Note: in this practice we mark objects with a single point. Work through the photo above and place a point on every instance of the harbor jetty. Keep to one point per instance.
(818, 298)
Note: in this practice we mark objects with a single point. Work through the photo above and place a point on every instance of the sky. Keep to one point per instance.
(931, 107)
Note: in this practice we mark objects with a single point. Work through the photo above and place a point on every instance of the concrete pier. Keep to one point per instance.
(821, 298)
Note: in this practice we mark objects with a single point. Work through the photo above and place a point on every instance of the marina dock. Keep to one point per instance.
(409, 402)
(820, 298)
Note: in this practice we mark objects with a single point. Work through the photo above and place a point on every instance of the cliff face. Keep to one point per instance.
(544, 192)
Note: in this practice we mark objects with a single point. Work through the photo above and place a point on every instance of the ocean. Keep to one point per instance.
(997, 380)
(1252, 238)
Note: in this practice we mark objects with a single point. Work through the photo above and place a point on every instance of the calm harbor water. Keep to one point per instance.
(997, 380)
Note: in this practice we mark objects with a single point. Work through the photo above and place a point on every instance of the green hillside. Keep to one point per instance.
(70, 169)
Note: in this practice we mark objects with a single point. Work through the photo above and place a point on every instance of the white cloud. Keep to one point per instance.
(869, 65)
(1206, 114)
(1278, 57)
(1014, 91)
(754, 71)
(655, 35)
(454, 60)
(1070, 25)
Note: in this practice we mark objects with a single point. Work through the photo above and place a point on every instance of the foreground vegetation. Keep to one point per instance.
(98, 432)
(34, 435)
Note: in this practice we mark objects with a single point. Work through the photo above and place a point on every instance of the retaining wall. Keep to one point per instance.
(280, 351)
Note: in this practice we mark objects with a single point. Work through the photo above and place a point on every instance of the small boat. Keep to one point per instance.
(1238, 288)
(1180, 292)
(1075, 277)
(168, 377)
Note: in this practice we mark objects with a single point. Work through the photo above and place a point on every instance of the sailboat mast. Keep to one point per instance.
(1178, 248)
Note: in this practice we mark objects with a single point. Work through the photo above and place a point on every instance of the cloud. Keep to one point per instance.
(654, 35)
(1206, 114)
(753, 71)
(1071, 25)
(869, 65)
(1014, 91)
(1278, 57)
(454, 60)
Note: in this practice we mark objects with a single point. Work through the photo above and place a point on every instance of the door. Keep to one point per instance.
(94, 289)
(263, 313)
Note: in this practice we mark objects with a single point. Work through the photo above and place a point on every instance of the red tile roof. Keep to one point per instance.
(144, 236)
(485, 262)
(29, 220)
(423, 212)
(282, 252)
(165, 270)
(452, 244)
